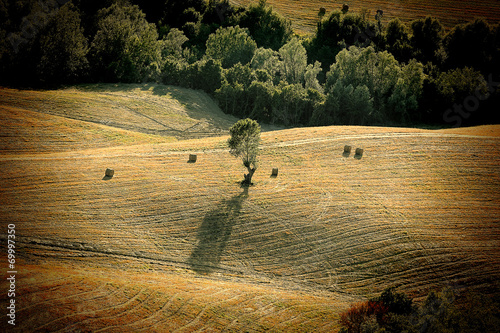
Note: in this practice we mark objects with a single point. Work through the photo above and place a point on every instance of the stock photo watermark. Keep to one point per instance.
(470, 104)
(11, 274)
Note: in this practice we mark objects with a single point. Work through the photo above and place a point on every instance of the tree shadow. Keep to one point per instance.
(214, 234)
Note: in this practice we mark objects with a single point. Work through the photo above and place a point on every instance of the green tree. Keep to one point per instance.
(294, 61)
(261, 96)
(63, 48)
(397, 40)
(311, 76)
(339, 31)
(470, 45)
(390, 90)
(244, 143)
(427, 40)
(205, 75)
(172, 43)
(268, 60)
(229, 97)
(126, 46)
(230, 46)
(178, 12)
(268, 29)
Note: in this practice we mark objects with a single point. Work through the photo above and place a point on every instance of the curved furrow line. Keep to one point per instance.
(174, 312)
(153, 317)
(240, 309)
(27, 288)
(287, 225)
(254, 319)
(196, 320)
(95, 316)
(208, 325)
(65, 297)
(129, 313)
(59, 321)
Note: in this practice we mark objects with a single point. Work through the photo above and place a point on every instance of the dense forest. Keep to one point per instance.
(353, 70)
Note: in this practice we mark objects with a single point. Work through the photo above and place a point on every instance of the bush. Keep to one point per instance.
(439, 313)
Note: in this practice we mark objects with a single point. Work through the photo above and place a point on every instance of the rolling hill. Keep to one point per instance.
(304, 14)
(171, 246)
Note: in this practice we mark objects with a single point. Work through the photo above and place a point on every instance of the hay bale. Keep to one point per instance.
(347, 149)
(192, 158)
(274, 172)
(359, 152)
(109, 172)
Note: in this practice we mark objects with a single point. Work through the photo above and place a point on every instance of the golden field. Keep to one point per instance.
(171, 246)
(304, 14)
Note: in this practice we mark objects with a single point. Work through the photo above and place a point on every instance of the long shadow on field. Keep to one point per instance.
(214, 233)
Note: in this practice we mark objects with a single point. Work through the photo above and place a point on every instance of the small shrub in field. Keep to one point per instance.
(439, 313)
(358, 316)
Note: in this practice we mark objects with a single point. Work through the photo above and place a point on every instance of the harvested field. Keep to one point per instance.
(304, 14)
(167, 245)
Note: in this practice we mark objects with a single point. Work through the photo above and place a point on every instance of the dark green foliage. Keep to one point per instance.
(339, 31)
(230, 46)
(244, 143)
(397, 40)
(261, 98)
(369, 87)
(203, 74)
(126, 46)
(177, 13)
(471, 45)
(63, 48)
(427, 40)
(398, 303)
(290, 104)
(269, 75)
(268, 29)
(445, 92)
(439, 313)
(230, 97)
(219, 13)
(240, 74)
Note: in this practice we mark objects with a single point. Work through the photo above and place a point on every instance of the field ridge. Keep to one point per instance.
(168, 245)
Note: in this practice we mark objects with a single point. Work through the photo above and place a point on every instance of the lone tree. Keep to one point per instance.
(244, 143)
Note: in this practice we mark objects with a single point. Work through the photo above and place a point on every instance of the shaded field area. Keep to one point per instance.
(163, 112)
(168, 245)
(304, 14)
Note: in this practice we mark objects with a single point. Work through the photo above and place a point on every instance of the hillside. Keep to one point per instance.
(167, 245)
(304, 14)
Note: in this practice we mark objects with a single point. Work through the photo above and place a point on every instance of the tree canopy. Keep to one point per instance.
(244, 143)
(125, 47)
(355, 69)
(230, 46)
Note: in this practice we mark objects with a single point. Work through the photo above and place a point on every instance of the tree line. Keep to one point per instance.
(353, 70)
(440, 312)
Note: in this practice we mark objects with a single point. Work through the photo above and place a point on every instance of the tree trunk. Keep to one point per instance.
(248, 177)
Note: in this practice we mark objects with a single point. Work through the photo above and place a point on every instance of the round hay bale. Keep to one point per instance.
(347, 149)
(274, 172)
(109, 172)
(359, 152)
(192, 158)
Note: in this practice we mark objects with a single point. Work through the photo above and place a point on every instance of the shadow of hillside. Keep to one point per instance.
(214, 234)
